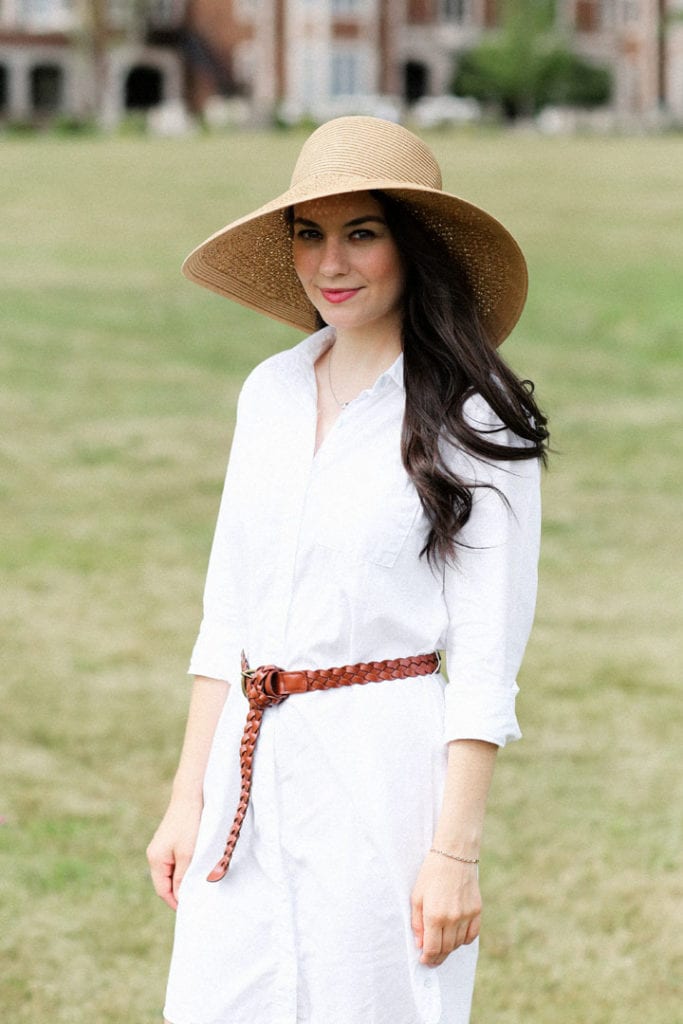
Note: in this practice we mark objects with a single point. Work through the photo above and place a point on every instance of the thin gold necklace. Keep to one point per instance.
(342, 405)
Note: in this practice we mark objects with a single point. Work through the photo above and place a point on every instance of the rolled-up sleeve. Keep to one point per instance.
(216, 653)
(490, 594)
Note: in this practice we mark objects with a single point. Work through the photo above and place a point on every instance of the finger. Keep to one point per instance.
(449, 941)
(162, 879)
(416, 922)
(164, 889)
(473, 930)
(431, 945)
(171, 901)
(460, 935)
(452, 937)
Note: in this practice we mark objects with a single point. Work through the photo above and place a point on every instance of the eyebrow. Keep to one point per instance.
(349, 224)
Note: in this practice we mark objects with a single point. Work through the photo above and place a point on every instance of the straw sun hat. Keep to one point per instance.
(250, 260)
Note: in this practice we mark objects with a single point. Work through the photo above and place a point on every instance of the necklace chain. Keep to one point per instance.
(342, 405)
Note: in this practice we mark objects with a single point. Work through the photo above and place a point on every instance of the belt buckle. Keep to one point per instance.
(246, 673)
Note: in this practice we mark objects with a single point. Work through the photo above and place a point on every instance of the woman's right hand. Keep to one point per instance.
(171, 849)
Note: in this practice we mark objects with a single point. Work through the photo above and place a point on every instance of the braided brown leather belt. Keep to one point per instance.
(270, 685)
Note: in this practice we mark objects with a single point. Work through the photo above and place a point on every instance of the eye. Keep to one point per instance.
(363, 234)
(308, 234)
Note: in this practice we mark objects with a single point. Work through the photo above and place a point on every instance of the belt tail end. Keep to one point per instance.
(220, 871)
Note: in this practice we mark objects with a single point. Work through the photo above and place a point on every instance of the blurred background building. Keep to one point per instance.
(103, 59)
(88, 58)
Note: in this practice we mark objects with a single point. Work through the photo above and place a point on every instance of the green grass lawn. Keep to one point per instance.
(119, 380)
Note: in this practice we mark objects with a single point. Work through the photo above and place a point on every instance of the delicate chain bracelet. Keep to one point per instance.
(453, 856)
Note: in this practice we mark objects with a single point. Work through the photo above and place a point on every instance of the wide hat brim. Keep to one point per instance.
(250, 260)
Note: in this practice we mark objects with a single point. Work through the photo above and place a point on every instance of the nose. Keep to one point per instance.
(333, 259)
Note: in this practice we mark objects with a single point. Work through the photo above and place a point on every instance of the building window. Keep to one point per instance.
(47, 88)
(454, 10)
(308, 80)
(46, 13)
(34, 8)
(344, 72)
(345, 6)
(588, 15)
(163, 12)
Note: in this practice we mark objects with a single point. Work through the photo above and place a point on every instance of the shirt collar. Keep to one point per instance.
(311, 348)
(395, 372)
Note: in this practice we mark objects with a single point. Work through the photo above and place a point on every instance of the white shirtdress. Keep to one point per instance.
(315, 563)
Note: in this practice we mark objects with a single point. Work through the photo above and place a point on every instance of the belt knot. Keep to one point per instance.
(259, 686)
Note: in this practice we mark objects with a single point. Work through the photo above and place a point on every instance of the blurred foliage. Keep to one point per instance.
(567, 80)
(526, 67)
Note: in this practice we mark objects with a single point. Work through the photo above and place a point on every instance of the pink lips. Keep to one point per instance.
(338, 294)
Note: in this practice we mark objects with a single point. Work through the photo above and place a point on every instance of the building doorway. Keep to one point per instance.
(144, 87)
(416, 81)
(47, 88)
(4, 89)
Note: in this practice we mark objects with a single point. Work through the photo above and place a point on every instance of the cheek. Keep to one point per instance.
(392, 273)
(304, 263)
(386, 265)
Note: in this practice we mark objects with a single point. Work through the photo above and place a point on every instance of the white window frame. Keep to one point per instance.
(454, 17)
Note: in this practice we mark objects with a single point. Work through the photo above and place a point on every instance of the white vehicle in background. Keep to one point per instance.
(390, 108)
(435, 111)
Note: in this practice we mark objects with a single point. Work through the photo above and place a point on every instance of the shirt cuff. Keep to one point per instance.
(214, 655)
(466, 719)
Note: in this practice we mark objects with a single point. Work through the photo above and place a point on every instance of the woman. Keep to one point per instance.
(381, 504)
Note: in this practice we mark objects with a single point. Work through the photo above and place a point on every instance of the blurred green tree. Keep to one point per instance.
(525, 65)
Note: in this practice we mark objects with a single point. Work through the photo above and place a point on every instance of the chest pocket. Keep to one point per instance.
(364, 506)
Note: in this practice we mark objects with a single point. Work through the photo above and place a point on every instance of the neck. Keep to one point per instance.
(363, 352)
(354, 363)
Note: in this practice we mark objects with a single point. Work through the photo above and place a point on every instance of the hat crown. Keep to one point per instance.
(367, 147)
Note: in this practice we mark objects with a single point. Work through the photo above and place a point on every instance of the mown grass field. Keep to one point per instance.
(118, 387)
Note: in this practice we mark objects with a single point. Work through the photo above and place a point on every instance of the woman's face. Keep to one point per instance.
(348, 262)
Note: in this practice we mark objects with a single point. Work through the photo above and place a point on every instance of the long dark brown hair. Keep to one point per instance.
(447, 357)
